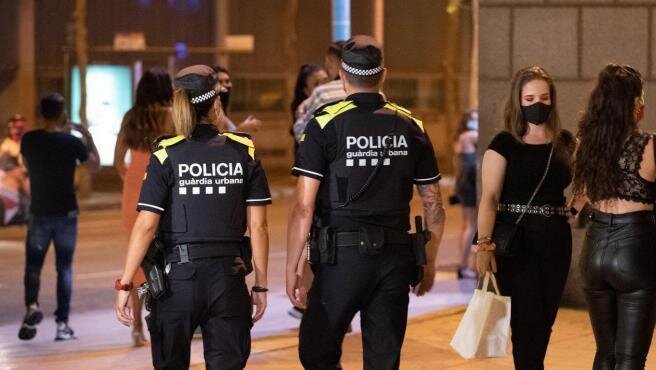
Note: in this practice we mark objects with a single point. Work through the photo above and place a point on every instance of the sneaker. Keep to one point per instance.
(296, 312)
(64, 332)
(32, 318)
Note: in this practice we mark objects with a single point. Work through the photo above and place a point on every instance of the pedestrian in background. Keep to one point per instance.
(329, 92)
(51, 155)
(309, 77)
(250, 124)
(465, 161)
(148, 119)
(615, 169)
(16, 127)
(202, 230)
(529, 159)
(14, 191)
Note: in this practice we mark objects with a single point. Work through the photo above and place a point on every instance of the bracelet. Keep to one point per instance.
(484, 247)
(485, 240)
(259, 289)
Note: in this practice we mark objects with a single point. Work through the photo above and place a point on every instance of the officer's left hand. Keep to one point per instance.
(426, 283)
(123, 308)
(259, 300)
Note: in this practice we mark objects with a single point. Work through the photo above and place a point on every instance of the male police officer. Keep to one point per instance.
(361, 156)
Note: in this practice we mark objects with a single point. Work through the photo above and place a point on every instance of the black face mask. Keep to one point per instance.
(224, 96)
(537, 113)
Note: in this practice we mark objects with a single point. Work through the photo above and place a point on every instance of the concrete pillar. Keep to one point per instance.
(341, 14)
(379, 21)
(26, 74)
(221, 29)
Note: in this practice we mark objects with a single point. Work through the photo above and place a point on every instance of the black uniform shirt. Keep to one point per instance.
(343, 144)
(203, 185)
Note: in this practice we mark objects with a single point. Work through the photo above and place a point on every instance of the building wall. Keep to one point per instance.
(415, 47)
(573, 40)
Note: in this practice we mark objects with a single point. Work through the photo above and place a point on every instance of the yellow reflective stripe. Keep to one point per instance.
(333, 111)
(170, 141)
(419, 123)
(324, 119)
(398, 108)
(404, 112)
(161, 155)
(243, 140)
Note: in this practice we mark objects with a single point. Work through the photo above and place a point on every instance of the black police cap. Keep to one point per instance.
(362, 55)
(198, 81)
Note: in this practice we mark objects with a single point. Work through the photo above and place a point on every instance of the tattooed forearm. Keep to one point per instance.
(431, 198)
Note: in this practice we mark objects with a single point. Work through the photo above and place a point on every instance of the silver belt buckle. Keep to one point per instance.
(546, 210)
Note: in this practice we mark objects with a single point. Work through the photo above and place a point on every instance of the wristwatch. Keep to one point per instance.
(259, 289)
(119, 286)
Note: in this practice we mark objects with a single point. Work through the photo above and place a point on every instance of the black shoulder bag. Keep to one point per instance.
(507, 236)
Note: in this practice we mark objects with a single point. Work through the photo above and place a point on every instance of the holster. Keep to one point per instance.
(326, 246)
(153, 266)
(419, 240)
(247, 254)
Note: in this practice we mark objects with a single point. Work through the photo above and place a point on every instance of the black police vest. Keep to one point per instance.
(207, 198)
(366, 140)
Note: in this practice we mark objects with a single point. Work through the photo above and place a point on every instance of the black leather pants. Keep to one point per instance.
(618, 265)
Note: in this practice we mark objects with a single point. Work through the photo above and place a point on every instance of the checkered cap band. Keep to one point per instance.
(201, 98)
(361, 72)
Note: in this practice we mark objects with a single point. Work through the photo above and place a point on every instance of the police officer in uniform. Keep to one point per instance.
(202, 191)
(359, 159)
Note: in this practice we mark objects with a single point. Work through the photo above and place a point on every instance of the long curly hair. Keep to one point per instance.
(150, 116)
(604, 127)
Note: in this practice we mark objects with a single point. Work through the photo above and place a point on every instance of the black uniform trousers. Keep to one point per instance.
(534, 279)
(211, 293)
(378, 287)
(618, 265)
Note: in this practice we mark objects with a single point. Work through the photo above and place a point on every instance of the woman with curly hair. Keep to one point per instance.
(615, 170)
(514, 165)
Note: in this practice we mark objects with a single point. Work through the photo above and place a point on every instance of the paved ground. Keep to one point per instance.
(103, 343)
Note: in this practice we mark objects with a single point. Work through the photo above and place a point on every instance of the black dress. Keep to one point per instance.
(535, 278)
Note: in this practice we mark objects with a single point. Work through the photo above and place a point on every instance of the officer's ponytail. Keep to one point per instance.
(183, 113)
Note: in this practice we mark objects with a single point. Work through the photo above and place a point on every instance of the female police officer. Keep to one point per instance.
(200, 193)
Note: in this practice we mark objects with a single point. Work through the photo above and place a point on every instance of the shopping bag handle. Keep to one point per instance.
(486, 280)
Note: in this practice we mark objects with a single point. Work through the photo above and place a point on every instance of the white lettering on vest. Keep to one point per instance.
(210, 169)
(376, 142)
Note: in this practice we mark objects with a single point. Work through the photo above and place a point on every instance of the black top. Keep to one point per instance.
(526, 164)
(51, 158)
(633, 186)
(343, 144)
(201, 186)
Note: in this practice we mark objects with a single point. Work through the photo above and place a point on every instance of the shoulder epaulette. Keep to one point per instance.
(244, 139)
(406, 113)
(164, 142)
(330, 111)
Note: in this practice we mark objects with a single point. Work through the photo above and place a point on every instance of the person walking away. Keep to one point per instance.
(202, 191)
(148, 119)
(51, 155)
(367, 261)
(466, 163)
(615, 169)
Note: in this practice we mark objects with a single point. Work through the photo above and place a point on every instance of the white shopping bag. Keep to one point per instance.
(485, 327)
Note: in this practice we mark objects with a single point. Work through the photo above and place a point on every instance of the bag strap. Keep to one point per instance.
(486, 280)
(537, 188)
